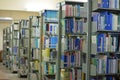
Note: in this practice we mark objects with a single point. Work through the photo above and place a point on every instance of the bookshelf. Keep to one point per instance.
(23, 48)
(4, 46)
(34, 47)
(71, 40)
(49, 43)
(105, 23)
(14, 47)
(10, 47)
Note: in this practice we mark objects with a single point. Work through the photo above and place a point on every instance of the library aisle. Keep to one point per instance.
(5, 74)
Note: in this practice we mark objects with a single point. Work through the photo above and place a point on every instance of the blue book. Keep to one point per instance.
(105, 3)
(77, 43)
(108, 21)
(71, 25)
(107, 65)
(72, 59)
(99, 42)
(64, 58)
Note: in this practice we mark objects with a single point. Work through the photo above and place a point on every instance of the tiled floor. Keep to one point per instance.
(5, 74)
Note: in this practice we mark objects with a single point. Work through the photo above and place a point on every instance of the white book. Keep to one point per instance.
(114, 43)
(115, 22)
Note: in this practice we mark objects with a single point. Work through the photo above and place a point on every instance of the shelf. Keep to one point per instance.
(76, 17)
(50, 61)
(51, 34)
(35, 71)
(49, 74)
(108, 31)
(35, 37)
(35, 60)
(56, 22)
(76, 34)
(76, 67)
(72, 2)
(71, 50)
(115, 11)
(108, 52)
(111, 74)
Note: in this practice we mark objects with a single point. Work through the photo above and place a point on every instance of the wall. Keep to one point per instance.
(16, 15)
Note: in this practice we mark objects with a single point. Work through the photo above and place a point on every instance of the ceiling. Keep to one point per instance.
(29, 5)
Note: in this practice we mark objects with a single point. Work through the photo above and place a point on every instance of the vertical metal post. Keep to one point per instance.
(29, 48)
(58, 61)
(41, 44)
(89, 38)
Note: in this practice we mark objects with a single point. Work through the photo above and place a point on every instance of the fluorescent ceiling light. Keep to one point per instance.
(5, 19)
(78, 0)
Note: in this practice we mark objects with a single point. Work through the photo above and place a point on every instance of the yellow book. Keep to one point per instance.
(83, 76)
(36, 65)
(47, 54)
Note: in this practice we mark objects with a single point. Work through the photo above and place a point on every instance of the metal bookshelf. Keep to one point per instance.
(4, 46)
(23, 48)
(49, 26)
(109, 53)
(10, 47)
(73, 34)
(34, 47)
(15, 47)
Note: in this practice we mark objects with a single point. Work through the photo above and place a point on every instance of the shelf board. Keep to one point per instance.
(35, 60)
(76, 17)
(71, 50)
(34, 37)
(35, 71)
(76, 67)
(116, 11)
(51, 34)
(76, 34)
(107, 52)
(49, 75)
(50, 61)
(108, 31)
(73, 2)
(55, 22)
(110, 74)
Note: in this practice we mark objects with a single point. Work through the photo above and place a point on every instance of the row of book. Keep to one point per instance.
(35, 32)
(108, 43)
(23, 61)
(50, 15)
(35, 43)
(49, 68)
(35, 53)
(107, 65)
(15, 26)
(106, 21)
(23, 52)
(35, 21)
(74, 26)
(24, 42)
(24, 33)
(71, 59)
(15, 50)
(49, 54)
(50, 42)
(72, 74)
(51, 28)
(72, 10)
(75, 43)
(16, 34)
(24, 24)
(16, 42)
(34, 66)
(107, 3)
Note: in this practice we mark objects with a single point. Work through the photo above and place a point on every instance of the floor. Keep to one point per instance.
(5, 74)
